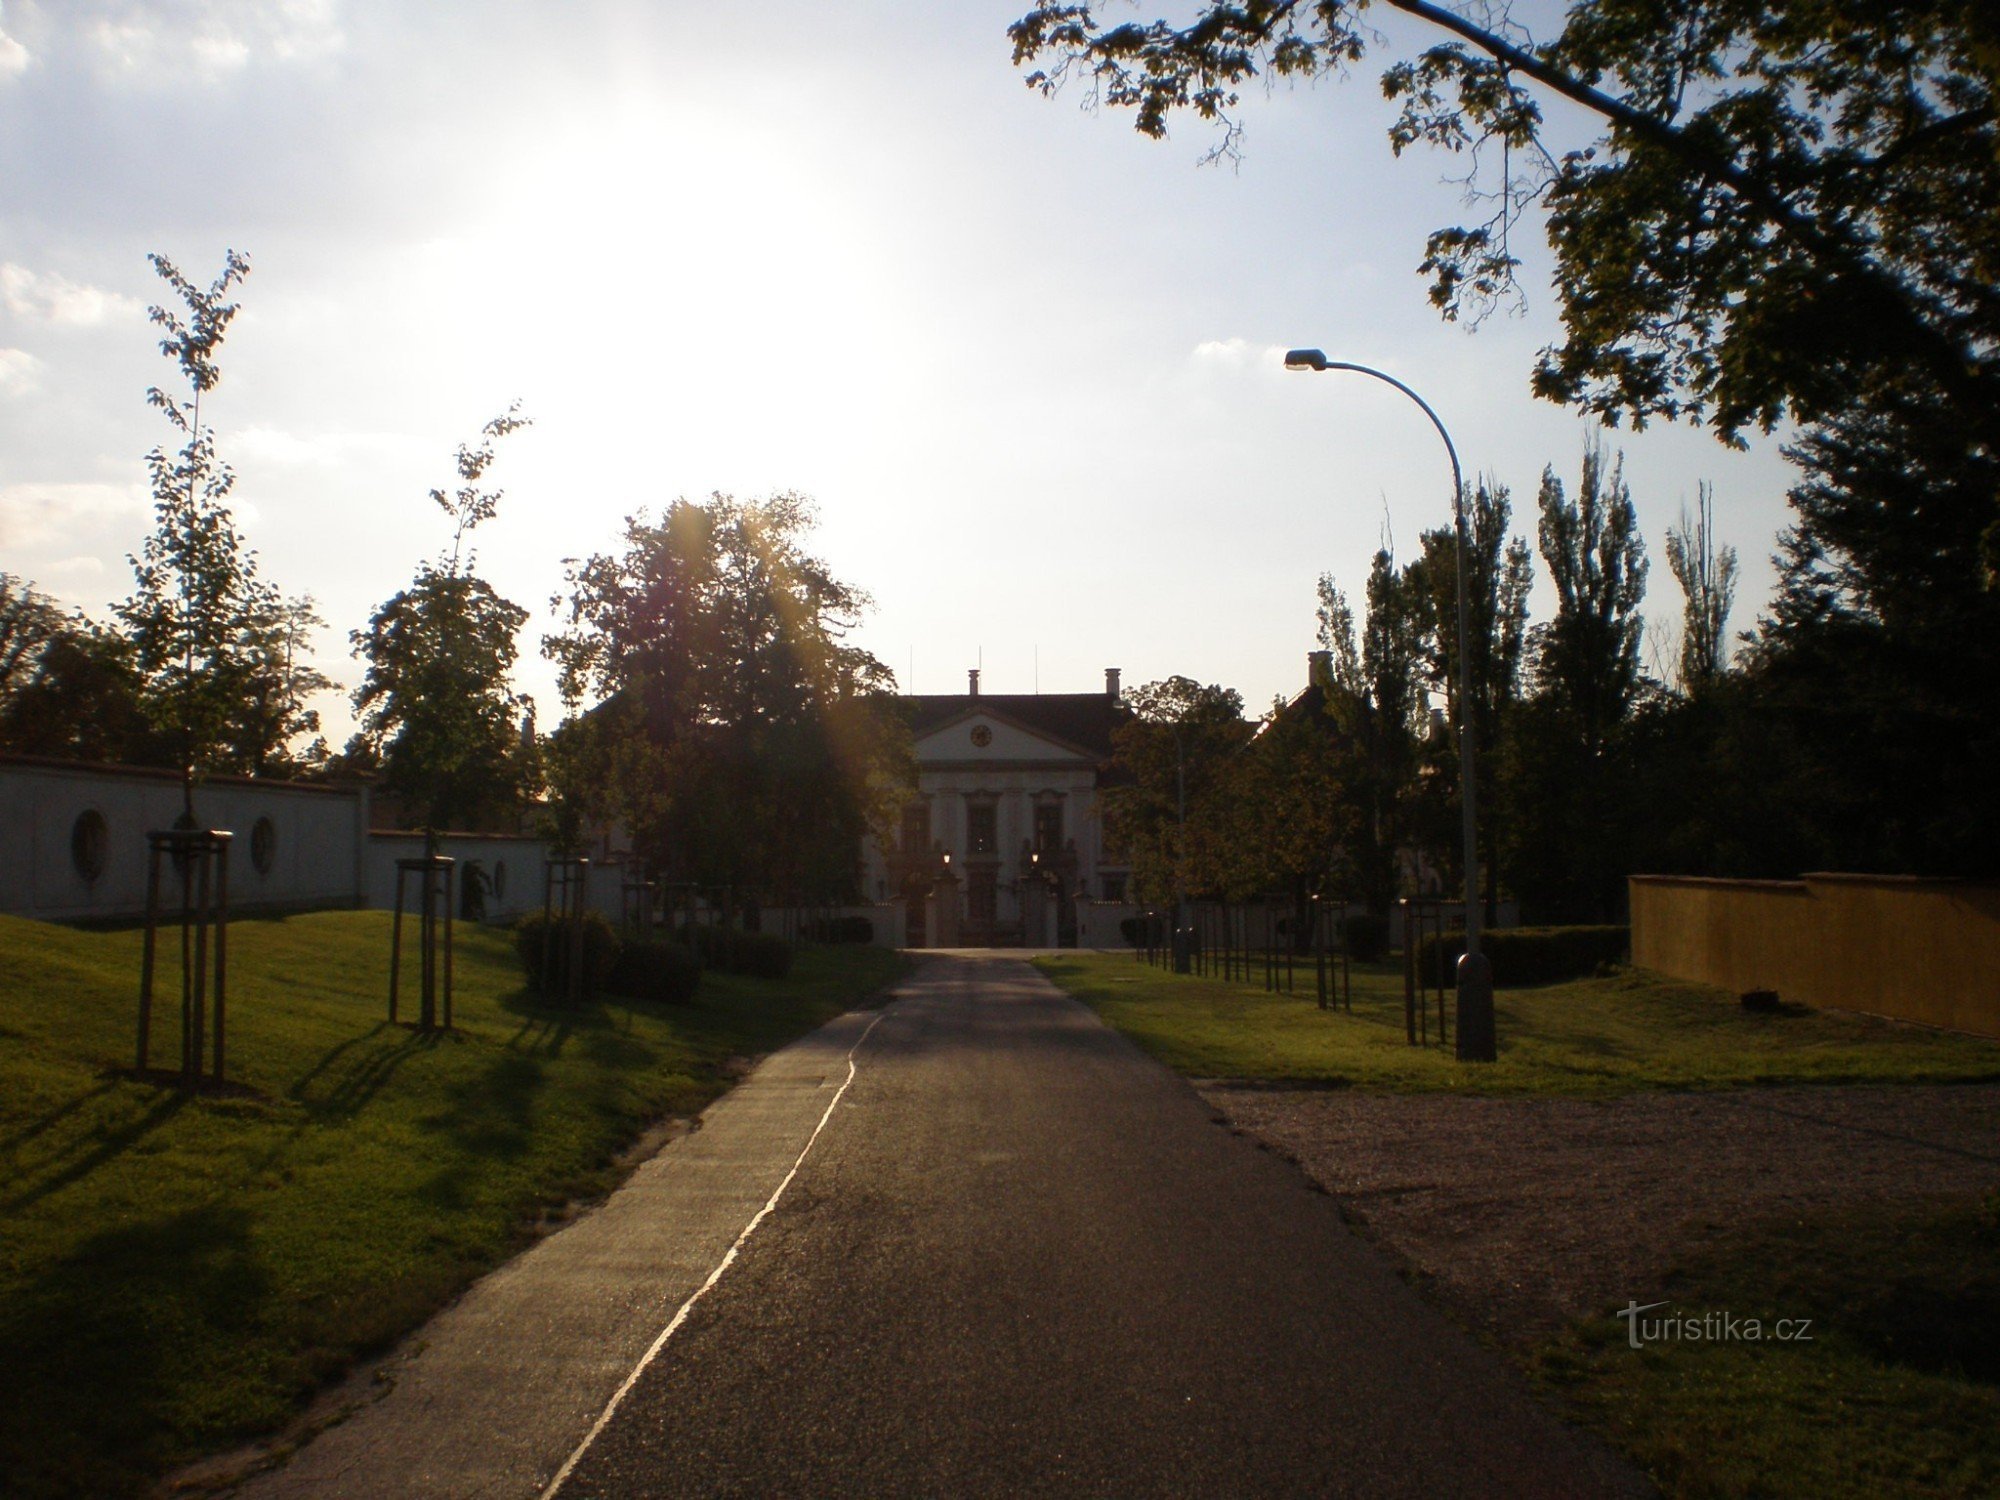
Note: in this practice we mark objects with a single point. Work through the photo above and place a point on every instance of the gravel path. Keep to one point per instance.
(1524, 1213)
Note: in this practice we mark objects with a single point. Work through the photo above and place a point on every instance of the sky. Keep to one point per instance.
(1027, 362)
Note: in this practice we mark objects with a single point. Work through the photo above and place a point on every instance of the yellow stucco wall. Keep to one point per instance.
(1916, 950)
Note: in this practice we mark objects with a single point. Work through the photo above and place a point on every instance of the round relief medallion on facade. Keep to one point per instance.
(981, 736)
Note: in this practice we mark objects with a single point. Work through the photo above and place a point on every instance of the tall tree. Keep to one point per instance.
(197, 597)
(1708, 589)
(1499, 575)
(745, 740)
(1587, 657)
(1566, 765)
(69, 688)
(1374, 695)
(1793, 199)
(1883, 637)
(436, 704)
(29, 622)
(1175, 801)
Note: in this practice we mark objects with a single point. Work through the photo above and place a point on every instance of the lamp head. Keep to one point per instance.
(1304, 359)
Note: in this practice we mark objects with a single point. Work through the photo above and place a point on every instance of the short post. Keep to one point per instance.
(200, 859)
(433, 876)
(1409, 972)
(565, 881)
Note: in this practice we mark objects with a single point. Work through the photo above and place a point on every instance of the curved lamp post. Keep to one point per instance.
(1475, 976)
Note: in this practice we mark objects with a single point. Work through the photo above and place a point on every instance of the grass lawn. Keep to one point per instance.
(1894, 1391)
(1587, 1038)
(177, 1274)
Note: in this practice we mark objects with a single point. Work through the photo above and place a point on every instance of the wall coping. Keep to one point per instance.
(167, 773)
(1720, 882)
(459, 833)
(1819, 877)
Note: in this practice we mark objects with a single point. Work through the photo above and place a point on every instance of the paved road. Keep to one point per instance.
(1022, 1259)
(1018, 1258)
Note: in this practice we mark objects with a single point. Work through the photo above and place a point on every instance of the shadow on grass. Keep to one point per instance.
(85, 1155)
(101, 1350)
(348, 1076)
(55, 1116)
(488, 1118)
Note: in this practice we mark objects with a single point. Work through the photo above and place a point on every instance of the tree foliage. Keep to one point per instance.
(1174, 803)
(1587, 656)
(1792, 200)
(69, 688)
(1375, 699)
(737, 732)
(198, 616)
(1499, 577)
(1708, 591)
(436, 706)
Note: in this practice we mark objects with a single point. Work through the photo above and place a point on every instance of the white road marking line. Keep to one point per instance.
(680, 1316)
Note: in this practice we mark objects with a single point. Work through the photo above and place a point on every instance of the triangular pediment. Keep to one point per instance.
(986, 735)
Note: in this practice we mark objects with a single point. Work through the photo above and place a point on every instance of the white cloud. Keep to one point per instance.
(57, 299)
(206, 39)
(1236, 354)
(13, 57)
(35, 513)
(20, 372)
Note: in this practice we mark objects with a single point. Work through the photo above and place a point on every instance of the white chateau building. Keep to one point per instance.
(1003, 843)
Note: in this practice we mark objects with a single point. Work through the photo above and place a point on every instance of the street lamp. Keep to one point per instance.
(1475, 975)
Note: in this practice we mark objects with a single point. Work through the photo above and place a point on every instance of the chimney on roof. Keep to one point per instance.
(1111, 682)
(972, 676)
(1319, 668)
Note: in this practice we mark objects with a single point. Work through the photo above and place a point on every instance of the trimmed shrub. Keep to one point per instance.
(532, 936)
(761, 955)
(1133, 930)
(1529, 955)
(840, 930)
(1365, 936)
(655, 971)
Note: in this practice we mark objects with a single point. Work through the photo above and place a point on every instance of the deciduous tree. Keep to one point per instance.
(1175, 803)
(745, 740)
(1708, 589)
(436, 704)
(1792, 200)
(194, 612)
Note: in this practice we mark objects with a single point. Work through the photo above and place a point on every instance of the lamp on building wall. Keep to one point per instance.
(1476, 1042)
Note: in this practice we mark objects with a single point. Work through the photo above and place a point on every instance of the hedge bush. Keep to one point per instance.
(1365, 936)
(655, 971)
(1529, 955)
(761, 955)
(600, 951)
(1133, 930)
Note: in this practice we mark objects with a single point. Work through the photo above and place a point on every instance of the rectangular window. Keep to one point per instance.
(917, 828)
(1048, 827)
(980, 835)
(1114, 887)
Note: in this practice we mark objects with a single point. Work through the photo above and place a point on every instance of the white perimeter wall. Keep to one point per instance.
(315, 861)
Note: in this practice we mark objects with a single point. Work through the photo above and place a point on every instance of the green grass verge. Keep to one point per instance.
(1588, 1038)
(1894, 1393)
(177, 1274)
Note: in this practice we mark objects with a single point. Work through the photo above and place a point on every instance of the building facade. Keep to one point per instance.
(1003, 843)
